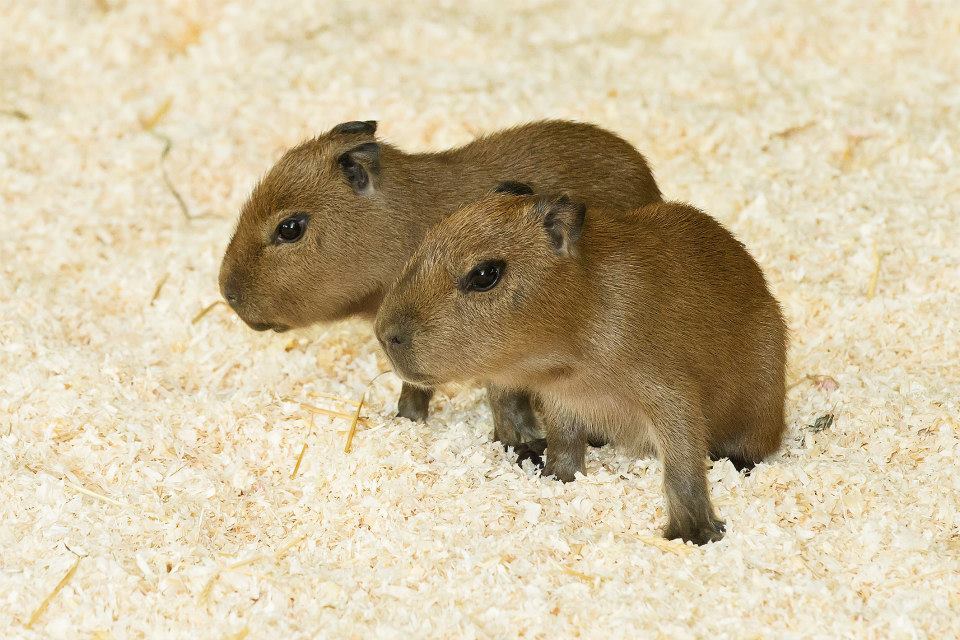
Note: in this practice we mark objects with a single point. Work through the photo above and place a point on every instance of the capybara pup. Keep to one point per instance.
(654, 330)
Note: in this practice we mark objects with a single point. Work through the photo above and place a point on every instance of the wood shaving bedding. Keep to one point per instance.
(154, 435)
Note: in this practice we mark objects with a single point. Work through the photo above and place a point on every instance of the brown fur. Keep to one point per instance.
(654, 329)
(357, 240)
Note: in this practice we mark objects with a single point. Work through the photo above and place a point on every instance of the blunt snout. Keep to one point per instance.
(230, 293)
(231, 287)
(396, 334)
(396, 337)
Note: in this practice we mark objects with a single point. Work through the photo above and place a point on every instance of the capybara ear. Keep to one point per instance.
(514, 188)
(563, 220)
(361, 167)
(368, 127)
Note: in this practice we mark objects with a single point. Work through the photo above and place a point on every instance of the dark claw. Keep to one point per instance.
(711, 531)
(532, 450)
(596, 442)
(742, 465)
(417, 415)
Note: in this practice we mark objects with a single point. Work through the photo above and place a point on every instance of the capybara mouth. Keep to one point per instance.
(413, 377)
(265, 326)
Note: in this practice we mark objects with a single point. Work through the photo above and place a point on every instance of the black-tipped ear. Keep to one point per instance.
(563, 220)
(361, 167)
(368, 127)
(514, 188)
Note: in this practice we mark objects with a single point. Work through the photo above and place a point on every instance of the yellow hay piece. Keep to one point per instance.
(149, 122)
(39, 611)
(207, 309)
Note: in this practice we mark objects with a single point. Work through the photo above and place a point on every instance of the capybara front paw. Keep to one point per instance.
(562, 472)
(415, 410)
(414, 403)
(532, 450)
(700, 533)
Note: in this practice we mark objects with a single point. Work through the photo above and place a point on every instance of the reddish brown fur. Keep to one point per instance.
(356, 243)
(654, 329)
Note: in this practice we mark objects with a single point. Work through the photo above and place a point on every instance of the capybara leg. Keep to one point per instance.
(690, 513)
(513, 418)
(414, 403)
(566, 448)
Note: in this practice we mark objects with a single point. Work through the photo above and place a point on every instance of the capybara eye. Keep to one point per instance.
(483, 277)
(291, 229)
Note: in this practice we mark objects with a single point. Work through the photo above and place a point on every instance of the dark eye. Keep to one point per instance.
(291, 229)
(483, 277)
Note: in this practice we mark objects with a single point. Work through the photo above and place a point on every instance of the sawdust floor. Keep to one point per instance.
(160, 450)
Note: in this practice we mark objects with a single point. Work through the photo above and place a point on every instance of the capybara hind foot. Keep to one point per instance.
(741, 464)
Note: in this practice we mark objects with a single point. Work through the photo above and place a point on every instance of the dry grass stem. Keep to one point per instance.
(207, 309)
(92, 494)
(578, 574)
(331, 396)
(789, 132)
(53, 594)
(325, 412)
(149, 122)
(671, 546)
(356, 416)
(159, 287)
(16, 113)
(348, 445)
(276, 556)
(167, 146)
(296, 467)
(303, 450)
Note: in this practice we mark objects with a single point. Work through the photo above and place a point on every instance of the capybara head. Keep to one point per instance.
(306, 245)
(479, 297)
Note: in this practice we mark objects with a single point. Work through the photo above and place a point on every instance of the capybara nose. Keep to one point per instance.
(395, 336)
(231, 293)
